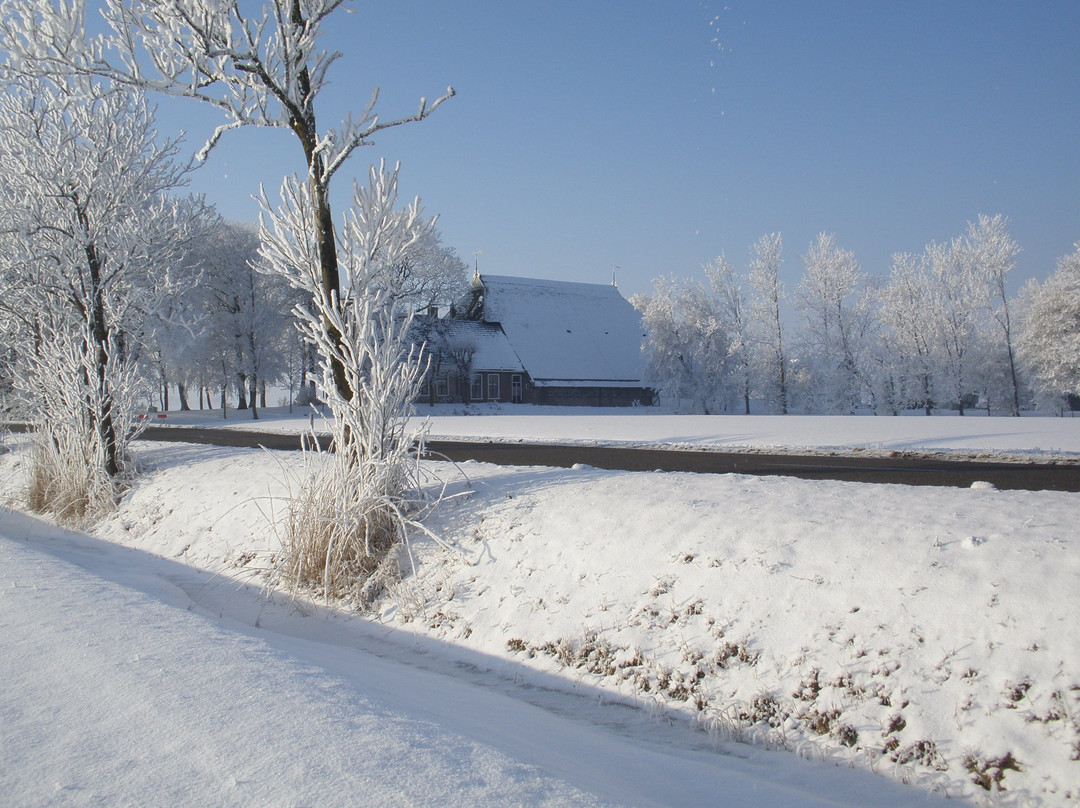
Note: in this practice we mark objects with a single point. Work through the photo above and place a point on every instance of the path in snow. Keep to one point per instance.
(113, 690)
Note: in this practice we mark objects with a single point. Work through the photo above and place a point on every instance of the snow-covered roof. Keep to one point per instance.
(486, 342)
(492, 350)
(573, 332)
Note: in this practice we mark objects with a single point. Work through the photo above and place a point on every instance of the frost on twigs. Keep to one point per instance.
(67, 469)
(91, 233)
(359, 501)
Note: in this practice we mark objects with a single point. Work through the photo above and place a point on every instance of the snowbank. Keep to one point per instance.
(925, 634)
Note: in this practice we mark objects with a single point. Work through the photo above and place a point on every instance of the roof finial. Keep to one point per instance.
(476, 264)
(614, 282)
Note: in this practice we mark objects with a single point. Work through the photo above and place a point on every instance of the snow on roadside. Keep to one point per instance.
(129, 678)
(1041, 437)
(924, 633)
(115, 698)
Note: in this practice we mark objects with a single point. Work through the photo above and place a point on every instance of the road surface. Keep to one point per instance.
(901, 469)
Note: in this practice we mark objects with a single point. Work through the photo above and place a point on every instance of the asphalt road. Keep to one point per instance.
(901, 469)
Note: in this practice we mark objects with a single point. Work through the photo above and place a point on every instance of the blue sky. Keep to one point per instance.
(657, 135)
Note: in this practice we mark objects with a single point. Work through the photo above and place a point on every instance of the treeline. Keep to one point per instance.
(939, 332)
(233, 334)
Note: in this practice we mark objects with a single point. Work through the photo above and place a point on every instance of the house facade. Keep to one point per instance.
(530, 341)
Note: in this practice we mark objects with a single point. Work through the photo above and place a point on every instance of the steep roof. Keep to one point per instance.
(563, 331)
(484, 342)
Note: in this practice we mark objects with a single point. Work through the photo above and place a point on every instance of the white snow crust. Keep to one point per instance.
(568, 331)
(597, 637)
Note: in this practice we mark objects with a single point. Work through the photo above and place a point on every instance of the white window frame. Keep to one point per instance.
(493, 387)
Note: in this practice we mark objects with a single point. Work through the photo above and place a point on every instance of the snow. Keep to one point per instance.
(561, 654)
(1034, 437)
(492, 350)
(565, 330)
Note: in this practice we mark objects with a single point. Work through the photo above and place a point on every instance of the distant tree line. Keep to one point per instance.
(938, 332)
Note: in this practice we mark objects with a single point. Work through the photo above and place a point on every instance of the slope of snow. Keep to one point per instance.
(130, 679)
(632, 625)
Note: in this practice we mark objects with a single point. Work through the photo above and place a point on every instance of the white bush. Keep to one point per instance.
(352, 508)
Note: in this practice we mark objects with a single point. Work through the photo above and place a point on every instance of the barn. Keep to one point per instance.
(532, 341)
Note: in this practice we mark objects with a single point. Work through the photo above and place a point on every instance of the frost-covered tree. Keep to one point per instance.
(261, 64)
(685, 345)
(431, 275)
(993, 252)
(909, 314)
(356, 507)
(1050, 336)
(91, 237)
(247, 314)
(730, 310)
(961, 299)
(837, 317)
(258, 62)
(767, 293)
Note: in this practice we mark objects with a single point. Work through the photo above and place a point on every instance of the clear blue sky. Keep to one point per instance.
(657, 135)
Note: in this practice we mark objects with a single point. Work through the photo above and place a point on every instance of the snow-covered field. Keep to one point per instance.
(595, 637)
(1038, 437)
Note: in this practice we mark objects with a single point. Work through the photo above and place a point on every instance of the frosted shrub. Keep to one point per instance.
(354, 506)
(83, 415)
(91, 232)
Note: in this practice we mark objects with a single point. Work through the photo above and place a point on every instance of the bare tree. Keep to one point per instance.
(768, 292)
(993, 255)
(91, 239)
(264, 69)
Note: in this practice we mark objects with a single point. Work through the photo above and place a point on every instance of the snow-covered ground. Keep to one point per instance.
(594, 637)
(973, 434)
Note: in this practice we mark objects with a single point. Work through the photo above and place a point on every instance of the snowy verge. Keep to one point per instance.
(925, 634)
(134, 679)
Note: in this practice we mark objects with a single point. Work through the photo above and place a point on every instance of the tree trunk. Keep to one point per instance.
(181, 393)
(1015, 385)
(303, 124)
(241, 391)
(102, 419)
(252, 398)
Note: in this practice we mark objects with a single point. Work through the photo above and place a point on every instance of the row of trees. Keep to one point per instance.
(111, 273)
(939, 331)
(236, 331)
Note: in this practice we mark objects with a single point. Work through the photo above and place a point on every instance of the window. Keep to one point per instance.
(493, 386)
(515, 388)
(476, 392)
(442, 388)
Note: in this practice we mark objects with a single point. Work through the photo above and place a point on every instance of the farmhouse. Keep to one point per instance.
(522, 340)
